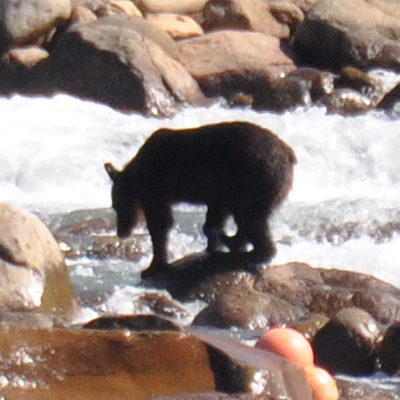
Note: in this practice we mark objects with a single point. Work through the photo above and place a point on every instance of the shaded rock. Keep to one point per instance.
(101, 365)
(132, 323)
(310, 325)
(33, 273)
(239, 368)
(347, 343)
(360, 33)
(227, 62)
(171, 6)
(178, 26)
(239, 305)
(390, 99)
(25, 21)
(319, 83)
(132, 72)
(272, 18)
(389, 352)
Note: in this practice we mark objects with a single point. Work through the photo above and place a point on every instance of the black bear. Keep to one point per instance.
(235, 168)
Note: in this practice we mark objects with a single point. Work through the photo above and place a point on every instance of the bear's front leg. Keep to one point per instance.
(159, 222)
(213, 229)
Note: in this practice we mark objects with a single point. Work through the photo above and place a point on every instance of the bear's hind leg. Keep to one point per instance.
(214, 228)
(253, 228)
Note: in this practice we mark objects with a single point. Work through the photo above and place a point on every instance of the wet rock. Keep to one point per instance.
(33, 274)
(178, 26)
(239, 305)
(319, 83)
(361, 33)
(272, 18)
(239, 368)
(347, 343)
(347, 102)
(327, 291)
(310, 325)
(353, 78)
(25, 21)
(135, 70)
(228, 62)
(132, 323)
(101, 365)
(389, 352)
(351, 389)
(390, 99)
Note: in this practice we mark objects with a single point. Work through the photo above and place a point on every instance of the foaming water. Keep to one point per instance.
(343, 210)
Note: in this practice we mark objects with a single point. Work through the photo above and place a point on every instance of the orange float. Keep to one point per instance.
(290, 344)
(322, 384)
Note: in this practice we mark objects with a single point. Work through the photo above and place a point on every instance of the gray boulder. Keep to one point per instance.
(24, 21)
(358, 32)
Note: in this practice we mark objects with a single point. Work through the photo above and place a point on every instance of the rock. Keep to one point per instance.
(33, 274)
(132, 323)
(101, 365)
(239, 369)
(390, 99)
(356, 389)
(134, 68)
(389, 352)
(125, 6)
(238, 305)
(272, 18)
(361, 33)
(228, 62)
(178, 26)
(347, 102)
(347, 343)
(26, 57)
(353, 78)
(171, 6)
(327, 291)
(319, 83)
(23, 21)
(82, 15)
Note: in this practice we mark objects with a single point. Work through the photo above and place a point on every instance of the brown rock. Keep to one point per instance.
(27, 57)
(33, 273)
(126, 6)
(134, 70)
(99, 365)
(178, 26)
(82, 15)
(361, 33)
(171, 6)
(241, 306)
(272, 18)
(347, 344)
(228, 62)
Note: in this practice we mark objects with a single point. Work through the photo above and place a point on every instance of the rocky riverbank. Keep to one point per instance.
(156, 57)
(350, 319)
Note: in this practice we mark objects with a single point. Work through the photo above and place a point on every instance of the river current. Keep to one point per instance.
(343, 210)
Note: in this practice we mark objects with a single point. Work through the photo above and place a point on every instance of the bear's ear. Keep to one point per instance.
(111, 171)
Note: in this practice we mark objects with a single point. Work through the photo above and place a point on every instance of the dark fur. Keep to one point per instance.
(236, 168)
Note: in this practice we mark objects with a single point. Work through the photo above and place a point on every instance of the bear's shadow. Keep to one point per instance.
(182, 276)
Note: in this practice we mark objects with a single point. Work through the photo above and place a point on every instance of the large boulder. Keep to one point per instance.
(363, 33)
(23, 21)
(135, 66)
(33, 275)
(227, 62)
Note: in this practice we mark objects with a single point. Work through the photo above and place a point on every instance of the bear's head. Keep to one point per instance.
(124, 201)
